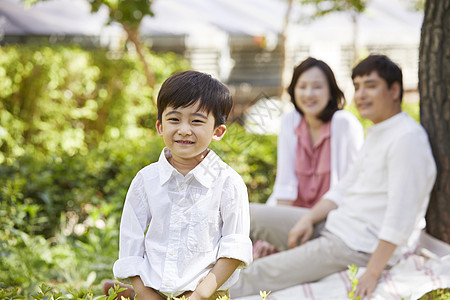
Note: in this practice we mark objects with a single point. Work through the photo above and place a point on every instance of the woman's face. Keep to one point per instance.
(312, 92)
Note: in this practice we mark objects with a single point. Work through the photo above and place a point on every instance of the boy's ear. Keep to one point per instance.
(219, 132)
(159, 128)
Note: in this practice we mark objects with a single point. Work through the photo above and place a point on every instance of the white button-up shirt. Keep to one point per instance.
(174, 228)
(385, 193)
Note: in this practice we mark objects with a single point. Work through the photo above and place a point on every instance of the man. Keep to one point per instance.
(374, 215)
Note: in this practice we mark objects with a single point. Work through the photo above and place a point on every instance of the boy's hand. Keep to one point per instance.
(191, 296)
(144, 292)
(303, 229)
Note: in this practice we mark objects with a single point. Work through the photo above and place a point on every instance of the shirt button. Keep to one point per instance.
(176, 220)
(181, 186)
(171, 252)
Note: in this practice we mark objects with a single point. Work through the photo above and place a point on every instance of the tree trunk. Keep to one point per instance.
(282, 94)
(133, 36)
(434, 88)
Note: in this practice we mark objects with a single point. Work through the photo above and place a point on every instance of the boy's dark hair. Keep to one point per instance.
(185, 88)
(337, 98)
(386, 69)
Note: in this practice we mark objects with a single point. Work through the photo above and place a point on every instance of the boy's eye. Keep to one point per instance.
(198, 121)
(173, 119)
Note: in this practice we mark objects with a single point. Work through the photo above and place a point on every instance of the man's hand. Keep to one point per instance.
(377, 262)
(366, 285)
(303, 230)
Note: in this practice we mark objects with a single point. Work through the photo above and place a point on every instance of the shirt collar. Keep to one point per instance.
(166, 170)
(206, 172)
(303, 134)
(388, 123)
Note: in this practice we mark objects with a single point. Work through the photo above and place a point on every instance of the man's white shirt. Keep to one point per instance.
(385, 193)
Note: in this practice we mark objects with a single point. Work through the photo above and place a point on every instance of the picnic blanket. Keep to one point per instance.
(413, 276)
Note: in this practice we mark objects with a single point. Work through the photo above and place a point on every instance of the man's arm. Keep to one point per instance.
(378, 261)
(142, 291)
(304, 228)
(220, 273)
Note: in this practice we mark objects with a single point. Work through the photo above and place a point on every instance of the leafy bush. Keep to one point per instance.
(66, 99)
(75, 127)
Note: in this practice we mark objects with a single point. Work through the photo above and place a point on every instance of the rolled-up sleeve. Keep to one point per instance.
(235, 241)
(411, 176)
(135, 219)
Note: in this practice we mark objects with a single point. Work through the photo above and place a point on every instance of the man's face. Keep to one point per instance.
(374, 100)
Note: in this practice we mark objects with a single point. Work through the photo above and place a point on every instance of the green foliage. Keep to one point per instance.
(65, 99)
(47, 293)
(128, 13)
(353, 269)
(75, 127)
(441, 294)
(324, 7)
(264, 294)
(253, 156)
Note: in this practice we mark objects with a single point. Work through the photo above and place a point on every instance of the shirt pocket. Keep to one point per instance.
(203, 231)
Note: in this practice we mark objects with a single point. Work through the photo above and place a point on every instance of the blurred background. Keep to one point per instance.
(78, 82)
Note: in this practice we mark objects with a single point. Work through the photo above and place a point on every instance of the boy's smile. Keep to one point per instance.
(187, 132)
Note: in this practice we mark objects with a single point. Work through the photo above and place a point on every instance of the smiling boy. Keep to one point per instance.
(185, 223)
(375, 213)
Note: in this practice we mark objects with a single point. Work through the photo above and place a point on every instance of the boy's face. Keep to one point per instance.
(374, 100)
(187, 132)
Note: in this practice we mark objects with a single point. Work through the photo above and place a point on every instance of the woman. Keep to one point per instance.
(316, 144)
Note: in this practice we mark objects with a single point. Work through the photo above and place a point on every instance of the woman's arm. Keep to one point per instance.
(220, 273)
(285, 186)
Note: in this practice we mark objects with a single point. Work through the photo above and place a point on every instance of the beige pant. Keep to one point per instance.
(273, 223)
(314, 260)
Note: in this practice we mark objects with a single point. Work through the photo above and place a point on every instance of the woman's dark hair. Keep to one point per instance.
(187, 87)
(337, 98)
(386, 69)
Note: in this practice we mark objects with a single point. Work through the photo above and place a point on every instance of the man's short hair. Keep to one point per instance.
(386, 69)
(187, 87)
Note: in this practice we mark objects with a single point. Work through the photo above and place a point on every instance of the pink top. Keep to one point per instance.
(312, 165)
